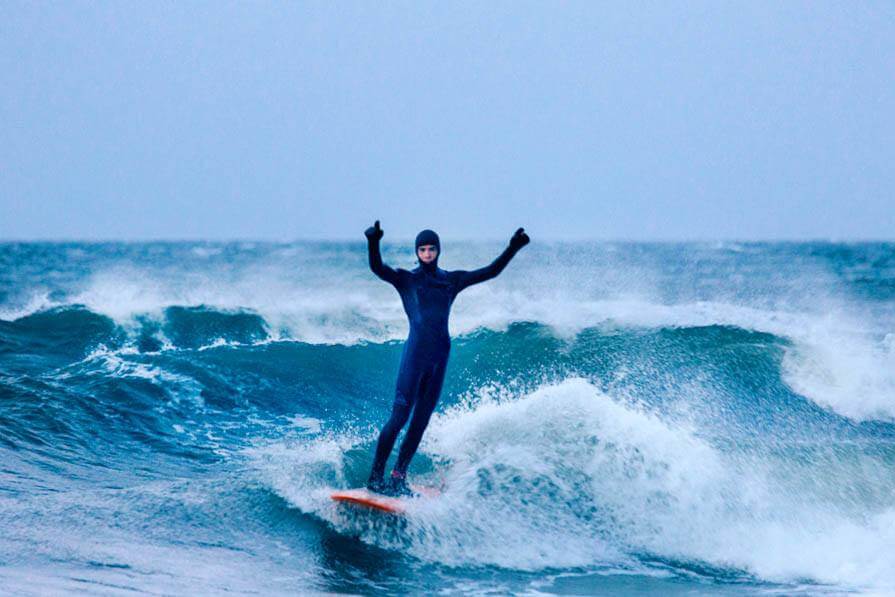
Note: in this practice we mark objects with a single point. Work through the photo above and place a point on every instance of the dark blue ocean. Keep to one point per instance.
(617, 418)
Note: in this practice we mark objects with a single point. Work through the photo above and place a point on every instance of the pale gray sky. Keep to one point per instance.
(688, 120)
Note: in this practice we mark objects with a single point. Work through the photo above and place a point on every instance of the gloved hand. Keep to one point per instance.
(519, 240)
(374, 232)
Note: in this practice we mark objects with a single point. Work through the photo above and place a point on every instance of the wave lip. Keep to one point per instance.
(853, 376)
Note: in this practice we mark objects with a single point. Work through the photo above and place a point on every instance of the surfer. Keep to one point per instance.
(427, 293)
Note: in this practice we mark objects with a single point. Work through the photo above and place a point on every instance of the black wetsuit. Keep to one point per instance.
(427, 293)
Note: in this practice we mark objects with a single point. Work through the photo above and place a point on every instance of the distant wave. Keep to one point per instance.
(830, 359)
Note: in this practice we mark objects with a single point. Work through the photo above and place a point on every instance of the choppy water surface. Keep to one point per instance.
(692, 418)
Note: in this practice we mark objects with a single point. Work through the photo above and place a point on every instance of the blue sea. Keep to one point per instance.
(617, 418)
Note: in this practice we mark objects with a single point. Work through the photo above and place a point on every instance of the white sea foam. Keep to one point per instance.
(851, 374)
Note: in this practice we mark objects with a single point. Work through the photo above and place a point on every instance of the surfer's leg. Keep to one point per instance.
(422, 411)
(409, 378)
(388, 435)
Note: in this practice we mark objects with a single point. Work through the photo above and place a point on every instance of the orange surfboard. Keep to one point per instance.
(377, 501)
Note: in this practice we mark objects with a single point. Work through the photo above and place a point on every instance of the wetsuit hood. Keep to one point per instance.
(428, 237)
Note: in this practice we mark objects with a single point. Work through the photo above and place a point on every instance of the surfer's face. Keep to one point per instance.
(427, 253)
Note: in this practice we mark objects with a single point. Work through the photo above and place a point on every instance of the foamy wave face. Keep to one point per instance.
(853, 376)
(569, 468)
(568, 477)
(565, 469)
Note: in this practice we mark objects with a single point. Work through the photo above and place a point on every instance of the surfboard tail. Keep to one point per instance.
(382, 503)
(368, 499)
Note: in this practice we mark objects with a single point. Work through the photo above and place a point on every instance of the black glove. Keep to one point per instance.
(374, 232)
(519, 240)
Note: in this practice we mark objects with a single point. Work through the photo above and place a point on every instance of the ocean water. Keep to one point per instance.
(617, 419)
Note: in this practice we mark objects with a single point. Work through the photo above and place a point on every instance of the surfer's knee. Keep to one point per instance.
(400, 412)
(419, 423)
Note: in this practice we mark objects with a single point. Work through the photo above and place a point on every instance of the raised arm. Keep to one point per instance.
(374, 235)
(466, 279)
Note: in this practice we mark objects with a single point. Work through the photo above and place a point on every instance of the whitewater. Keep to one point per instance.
(671, 418)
